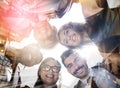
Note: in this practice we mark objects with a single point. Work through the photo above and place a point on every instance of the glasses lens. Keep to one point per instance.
(56, 69)
(46, 67)
(53, 68)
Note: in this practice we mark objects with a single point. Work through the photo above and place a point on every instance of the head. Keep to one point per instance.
(75, 64)
(45, 34)
(49, 71)
(29, 55)
(71, 35)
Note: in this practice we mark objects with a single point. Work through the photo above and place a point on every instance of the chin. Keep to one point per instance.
(82, 76)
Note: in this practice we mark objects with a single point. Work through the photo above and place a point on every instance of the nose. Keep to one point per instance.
(68, 37)
(51, 70)
(73, 69)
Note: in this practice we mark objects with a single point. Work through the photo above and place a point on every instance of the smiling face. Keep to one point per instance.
(76, 66)
(49, 72)
(69, 37)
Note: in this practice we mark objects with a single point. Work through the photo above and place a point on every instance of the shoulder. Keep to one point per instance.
(103, 78)
(101, 73)
(99, 70)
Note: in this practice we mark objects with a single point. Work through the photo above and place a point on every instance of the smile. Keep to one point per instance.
(49, 76)
(79, 70)
(74, 37)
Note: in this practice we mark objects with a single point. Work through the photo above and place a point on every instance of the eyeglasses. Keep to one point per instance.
(53, 68)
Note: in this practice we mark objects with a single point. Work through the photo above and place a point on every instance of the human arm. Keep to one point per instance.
(105, 79)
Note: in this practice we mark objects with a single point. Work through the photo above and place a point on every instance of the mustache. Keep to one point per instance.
(78, 69)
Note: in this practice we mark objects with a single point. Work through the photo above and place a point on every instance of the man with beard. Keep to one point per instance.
(94, 77)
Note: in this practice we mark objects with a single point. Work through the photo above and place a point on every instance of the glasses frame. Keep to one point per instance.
(55, 69)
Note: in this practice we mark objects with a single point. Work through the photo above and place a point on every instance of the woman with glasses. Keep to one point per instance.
(48, 73)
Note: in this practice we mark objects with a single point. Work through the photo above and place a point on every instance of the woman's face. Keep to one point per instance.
(69, 37)
(49, 72)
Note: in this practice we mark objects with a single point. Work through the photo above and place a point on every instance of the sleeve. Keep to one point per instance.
(113, 3)
(104, 79)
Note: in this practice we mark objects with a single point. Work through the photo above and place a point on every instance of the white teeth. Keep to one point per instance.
(80, 71)
(74, 37)
(50, 76)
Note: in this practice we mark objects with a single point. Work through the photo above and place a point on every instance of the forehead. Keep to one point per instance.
(51, 62)
(63, 34)
(71, 58)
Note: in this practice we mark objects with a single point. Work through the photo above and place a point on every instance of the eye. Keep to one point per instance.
(69, 65)
(66, 41)
(77, 59)
(66, 35)
(56, 69)
(66, 32)
(47, 68)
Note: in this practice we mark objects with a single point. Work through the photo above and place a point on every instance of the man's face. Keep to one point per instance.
(76, 66)
(69, 37)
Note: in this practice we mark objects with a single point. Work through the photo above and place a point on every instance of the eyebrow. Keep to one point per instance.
(67, 65)
(64, 41)
(64, 32)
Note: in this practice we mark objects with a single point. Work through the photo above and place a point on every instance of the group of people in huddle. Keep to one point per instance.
(102, 27)
(95, 77)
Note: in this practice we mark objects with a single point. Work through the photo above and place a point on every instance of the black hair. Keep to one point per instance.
(38, 82)
(66, 54)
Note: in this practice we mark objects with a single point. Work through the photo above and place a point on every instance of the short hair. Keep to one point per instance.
(66, 54)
